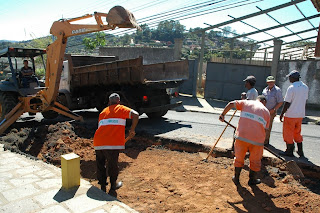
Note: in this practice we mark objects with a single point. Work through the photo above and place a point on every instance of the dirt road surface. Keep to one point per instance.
(157, 179)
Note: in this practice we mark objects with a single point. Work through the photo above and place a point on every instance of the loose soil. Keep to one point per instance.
(157, 179)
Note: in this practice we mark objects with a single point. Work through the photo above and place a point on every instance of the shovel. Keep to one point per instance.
(291, 165)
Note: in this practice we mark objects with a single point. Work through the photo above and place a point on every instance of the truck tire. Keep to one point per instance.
(8, 100)
(154, 115)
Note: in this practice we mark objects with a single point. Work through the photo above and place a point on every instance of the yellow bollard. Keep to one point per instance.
(70, 169)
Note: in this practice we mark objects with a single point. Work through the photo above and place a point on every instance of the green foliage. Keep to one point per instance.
(91, 43)
(300, 44)
(144, 35)
(168, 31)
(40, 72)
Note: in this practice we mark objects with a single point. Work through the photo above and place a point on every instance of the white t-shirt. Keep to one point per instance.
(297, 95)
(252, 94)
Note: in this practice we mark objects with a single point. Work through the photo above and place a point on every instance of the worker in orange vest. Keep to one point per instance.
(109, 139)
(250, 135)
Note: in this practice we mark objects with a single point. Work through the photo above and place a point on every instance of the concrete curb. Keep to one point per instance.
(307, 119)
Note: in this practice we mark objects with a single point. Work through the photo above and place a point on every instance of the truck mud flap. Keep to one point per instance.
(159, 108)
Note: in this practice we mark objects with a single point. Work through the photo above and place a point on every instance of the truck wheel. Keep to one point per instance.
(157, 114)
(8, 100)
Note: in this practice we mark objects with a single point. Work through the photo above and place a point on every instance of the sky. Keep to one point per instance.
(27, 19)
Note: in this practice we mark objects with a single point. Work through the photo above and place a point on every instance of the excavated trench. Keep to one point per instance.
(158, 169)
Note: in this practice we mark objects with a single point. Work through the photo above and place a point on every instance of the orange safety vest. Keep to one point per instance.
(111, 129)
(254, 118)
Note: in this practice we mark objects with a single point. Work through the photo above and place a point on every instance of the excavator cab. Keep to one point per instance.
(12, 62)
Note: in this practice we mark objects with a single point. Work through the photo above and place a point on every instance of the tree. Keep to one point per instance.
(91, 43)
(144, 35)
(300, 44)
(168, 31)
(126, 39)
(226, 31)
(213, 35)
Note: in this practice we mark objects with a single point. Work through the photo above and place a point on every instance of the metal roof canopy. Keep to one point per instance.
(266, 11)
(21, 52)
(270, 28)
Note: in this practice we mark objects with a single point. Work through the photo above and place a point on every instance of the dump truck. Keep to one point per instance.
(43, 99)
(87, 81)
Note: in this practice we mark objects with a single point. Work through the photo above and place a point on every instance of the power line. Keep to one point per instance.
(183, 17)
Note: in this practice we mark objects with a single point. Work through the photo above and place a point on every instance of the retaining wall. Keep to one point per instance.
(225, 81)
(310, 75)
(150, 55)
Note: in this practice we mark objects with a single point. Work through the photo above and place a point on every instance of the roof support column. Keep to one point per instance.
(276, 56)
(317, 53)
(251, 53)
(177, 48)
(200, 90)
(231, 50)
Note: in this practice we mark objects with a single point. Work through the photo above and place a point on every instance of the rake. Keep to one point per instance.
(206, 159)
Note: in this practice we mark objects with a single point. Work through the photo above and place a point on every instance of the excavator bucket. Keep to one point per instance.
(120, 17)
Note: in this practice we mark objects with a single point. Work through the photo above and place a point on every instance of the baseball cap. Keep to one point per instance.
(294, 74)
(250, 78)
(270, 79)
(114, 96)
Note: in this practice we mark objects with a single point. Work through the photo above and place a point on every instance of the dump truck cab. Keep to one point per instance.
(13, 81)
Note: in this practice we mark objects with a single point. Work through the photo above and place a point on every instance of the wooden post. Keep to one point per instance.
(70, 169)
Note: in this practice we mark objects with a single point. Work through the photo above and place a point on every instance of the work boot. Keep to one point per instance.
(235, 178)
(289, 151)
(116, 185)
(300, 151)
(253, 180)
(103, 188)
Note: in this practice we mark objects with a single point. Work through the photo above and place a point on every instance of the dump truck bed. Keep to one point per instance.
(131, 71)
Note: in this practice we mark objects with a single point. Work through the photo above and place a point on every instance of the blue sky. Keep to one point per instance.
(27, 19)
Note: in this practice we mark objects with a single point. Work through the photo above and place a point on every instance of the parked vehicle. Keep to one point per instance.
(87, 81)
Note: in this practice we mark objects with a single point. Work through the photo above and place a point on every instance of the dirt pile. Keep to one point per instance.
(160, 180)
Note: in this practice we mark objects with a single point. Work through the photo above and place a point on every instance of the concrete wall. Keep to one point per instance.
(189, 86)
(310, 75)
(150, 55)
(225, 81)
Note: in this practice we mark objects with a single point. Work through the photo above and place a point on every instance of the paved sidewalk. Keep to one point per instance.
(28, 185)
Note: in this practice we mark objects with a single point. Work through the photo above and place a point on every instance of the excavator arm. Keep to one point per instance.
(45, 99)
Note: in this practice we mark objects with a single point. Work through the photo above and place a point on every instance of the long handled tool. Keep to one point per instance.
(219, 138)
(291, 165)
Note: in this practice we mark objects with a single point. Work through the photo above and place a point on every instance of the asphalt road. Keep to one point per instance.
(205, 128)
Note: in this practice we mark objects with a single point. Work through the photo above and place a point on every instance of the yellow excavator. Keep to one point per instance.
(44, 99)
